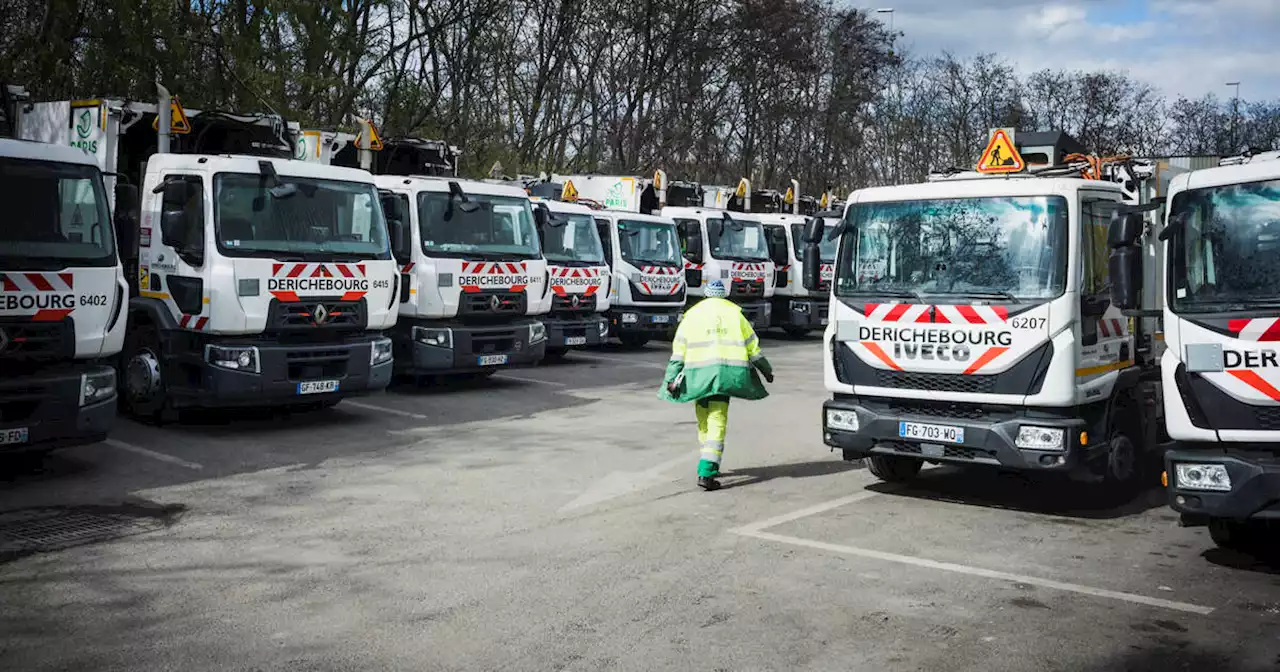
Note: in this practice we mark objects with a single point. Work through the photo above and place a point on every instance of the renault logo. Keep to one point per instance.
(320, 314)
(4, 340)
(494, 302)
(575, 301)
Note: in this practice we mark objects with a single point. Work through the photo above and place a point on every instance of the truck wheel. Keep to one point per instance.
(893, 468)
(554, 356)
(633, 341)
(796, 332)
(1231, 535)
(143, 392)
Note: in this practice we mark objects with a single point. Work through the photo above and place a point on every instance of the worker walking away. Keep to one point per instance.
(714, 357)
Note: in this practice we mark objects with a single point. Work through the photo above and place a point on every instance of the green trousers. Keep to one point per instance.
(713, 422)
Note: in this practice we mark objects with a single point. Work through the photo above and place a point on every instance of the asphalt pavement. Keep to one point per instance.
(547, 519)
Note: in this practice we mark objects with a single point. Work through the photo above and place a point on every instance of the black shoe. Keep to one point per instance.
(707, 483)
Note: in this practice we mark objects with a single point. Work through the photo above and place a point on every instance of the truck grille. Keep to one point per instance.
(564, 304)
(489, 304)
(938, 382)
(36, 340)
(493, 342)
(937, 409)
(950, 452)
(1268, 417)
(748, 288)
(313, 364)
(639, 295)
(311, 314)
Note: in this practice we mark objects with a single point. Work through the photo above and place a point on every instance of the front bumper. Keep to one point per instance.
(46, 405)
(498, 346)
(645, 320)
(284, 370)
(989, 439)
(1255, 484)
(800, 312)
(585, 331)
(758, 313)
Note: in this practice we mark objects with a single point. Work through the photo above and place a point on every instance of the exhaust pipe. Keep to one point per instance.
(795, 197)
(164, 114)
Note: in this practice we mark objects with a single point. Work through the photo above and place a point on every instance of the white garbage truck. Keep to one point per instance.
(1210, 270)
(646, 276)
(797, 308)
(474, 285)
(260, 280)
(971, 324)
(62, 292)
(731, 247)
(579, 277)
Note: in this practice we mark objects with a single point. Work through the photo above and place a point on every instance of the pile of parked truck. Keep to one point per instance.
(1065, 315)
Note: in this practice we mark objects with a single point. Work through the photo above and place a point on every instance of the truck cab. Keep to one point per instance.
(646, 277)
(474, 285)
(971, 324)
(579, 276)
(62, 299)
(1213, 267)
(731, 247)
(798, 309)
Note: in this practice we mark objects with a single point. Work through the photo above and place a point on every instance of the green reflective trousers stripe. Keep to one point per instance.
(713, 422)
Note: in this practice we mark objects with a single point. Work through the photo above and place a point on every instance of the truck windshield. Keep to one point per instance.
(328, 217)
(642, 242)
(55, 216)
(1014, 247)
(1226, 255)
(826, 248)
(740, 240)
(501, 227)
(575, 242)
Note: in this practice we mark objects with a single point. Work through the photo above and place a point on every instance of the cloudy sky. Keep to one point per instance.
(1185, 47)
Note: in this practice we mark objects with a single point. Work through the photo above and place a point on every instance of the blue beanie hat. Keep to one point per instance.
(715, 288)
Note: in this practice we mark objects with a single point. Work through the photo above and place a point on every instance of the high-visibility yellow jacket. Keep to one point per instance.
(715, 353)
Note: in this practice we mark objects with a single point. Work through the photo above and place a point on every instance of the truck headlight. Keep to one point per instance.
(604, 328)
(233, 358)
(96, 387)
(1202, 477)
(380, 352)
(1040, 438)
(537, 333)
(630, 318)
(440, 338)
(846, 421)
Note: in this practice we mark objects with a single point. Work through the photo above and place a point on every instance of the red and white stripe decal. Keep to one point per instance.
(660, 270)
(1256, 381)
(38, 282)
(407, 267)
(690, 266)
(1110, 327)
(897, 312)
(748, 267)
(947, 314)
(1256, 329)
(194, 322)
(493, 267)
(318, 270)
(52, 314)
(566, 272)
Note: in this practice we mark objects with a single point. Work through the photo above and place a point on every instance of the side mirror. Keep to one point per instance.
(1125, 229)
(778, 251)
(173, 230)
(691, 235)
(1125, 269)
(541, 216)
(813, 232)
(401, 240)
(125, 220)
(812, 266)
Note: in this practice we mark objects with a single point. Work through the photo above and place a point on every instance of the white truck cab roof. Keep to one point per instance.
(634, 216)
(43, 151)
(979, 187)
(712, 213)
(441, 184)
(238, 163)
(1260, 168)
(562, 207)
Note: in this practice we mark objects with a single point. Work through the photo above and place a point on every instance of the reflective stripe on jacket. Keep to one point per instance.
(715, 353)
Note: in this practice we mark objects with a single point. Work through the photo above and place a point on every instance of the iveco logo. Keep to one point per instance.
(4, 340)
(494, 302)
(320, 314)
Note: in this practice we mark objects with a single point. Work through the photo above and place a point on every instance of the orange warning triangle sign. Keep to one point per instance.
(1000, 155)
(178, 121)
(375, 141)
(568, 192)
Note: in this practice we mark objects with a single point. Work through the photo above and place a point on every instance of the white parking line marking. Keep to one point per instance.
(507, 376)
(619, 360)
(152, 454)
(978, 571)
(392, 411)
(756, 531)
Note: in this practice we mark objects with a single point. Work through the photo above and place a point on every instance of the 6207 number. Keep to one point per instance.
(1028, 322)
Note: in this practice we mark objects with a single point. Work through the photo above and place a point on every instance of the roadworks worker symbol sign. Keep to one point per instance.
(569, 193)
(178, 121)
(1000, 155)
(375, 140)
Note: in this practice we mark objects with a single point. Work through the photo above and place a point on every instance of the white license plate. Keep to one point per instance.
(922, 432)
(14, 435)
(575, 340)
(317, 386)
(660, 319)
(492, 360)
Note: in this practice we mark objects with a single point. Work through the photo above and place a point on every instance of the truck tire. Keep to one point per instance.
(893, 468)
(554, 356)
(796, 332)
(633, 341)
(142, 387)
(1239, 535)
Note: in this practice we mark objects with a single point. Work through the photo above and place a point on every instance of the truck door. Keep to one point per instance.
(603, 228)
(1103, 329)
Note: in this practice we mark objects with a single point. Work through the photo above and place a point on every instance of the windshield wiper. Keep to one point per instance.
(898, 293)
(991, 293)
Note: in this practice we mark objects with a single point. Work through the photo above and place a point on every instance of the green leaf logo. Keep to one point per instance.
(85, 126)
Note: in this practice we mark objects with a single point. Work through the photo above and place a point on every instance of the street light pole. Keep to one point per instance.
(1235, 117)
(897, 155)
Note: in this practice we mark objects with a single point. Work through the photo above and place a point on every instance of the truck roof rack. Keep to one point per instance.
(1249, 155)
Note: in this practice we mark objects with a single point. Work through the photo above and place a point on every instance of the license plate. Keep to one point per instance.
(317, 386)
(923, 432)
(492, 360)
(575, 340)
(14, 435)
(660, 319)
